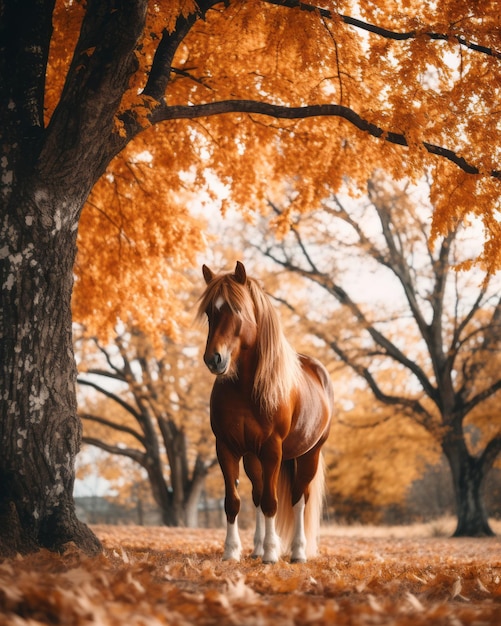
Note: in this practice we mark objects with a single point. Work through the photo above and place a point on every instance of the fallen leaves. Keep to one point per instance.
(162, 576)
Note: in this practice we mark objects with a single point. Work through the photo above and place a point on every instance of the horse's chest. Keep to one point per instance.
(238, 423)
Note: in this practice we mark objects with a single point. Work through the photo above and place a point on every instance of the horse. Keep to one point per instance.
(271, 407)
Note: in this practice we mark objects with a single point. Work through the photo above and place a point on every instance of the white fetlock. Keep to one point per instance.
(258, 535)
(271, 541)
(298, 554)
(270, 554)
(232, 544)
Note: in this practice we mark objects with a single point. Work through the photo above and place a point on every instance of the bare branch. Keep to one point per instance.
(109, 424)
(131, 453)
(390, 349)
(411, 407)
(491, 452)
(481, 396)
(112, 396)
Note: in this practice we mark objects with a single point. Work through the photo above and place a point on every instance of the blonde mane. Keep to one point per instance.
(278, 368)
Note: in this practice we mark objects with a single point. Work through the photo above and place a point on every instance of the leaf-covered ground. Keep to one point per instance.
(153, 576)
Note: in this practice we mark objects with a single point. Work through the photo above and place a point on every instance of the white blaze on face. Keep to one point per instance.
(219, 303)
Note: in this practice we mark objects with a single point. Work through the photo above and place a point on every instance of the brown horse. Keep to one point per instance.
(273, 408)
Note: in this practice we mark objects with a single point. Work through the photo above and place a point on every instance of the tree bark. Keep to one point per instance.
(47, 174)
(40, 432)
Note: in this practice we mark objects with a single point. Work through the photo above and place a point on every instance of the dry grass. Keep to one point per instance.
(158, 576)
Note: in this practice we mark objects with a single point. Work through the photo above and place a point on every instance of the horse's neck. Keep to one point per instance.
(246, 370)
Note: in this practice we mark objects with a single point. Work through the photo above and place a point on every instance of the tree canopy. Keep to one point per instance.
(259, 98)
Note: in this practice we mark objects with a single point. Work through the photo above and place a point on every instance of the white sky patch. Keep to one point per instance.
(143, 157)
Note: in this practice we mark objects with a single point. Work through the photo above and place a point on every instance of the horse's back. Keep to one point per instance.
(316, 370)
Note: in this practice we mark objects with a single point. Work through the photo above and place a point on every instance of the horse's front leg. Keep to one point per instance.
(254, 471)
(230, 467)
(271, 459)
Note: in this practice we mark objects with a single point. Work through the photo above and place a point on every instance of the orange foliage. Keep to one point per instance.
(170, 576)
(136, 241)
(429, 89)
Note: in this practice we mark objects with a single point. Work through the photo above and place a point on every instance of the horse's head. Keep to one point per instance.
(232, 323)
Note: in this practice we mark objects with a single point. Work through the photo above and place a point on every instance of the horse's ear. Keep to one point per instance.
(208, 273)
(240, 273)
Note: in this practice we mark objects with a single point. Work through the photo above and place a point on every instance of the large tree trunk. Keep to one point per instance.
(39, 428)
(468, 475)
(46, 176)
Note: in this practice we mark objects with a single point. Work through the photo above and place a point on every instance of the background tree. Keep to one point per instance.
(427, 342)
(162, 423)
(79, 81)
(378, 458)
(111, 489)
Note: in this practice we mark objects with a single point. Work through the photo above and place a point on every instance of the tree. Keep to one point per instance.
(379, 457)
(79, 81)
(163, 422)
(428, 342)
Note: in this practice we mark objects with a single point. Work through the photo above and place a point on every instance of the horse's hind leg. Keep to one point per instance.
(230, 468)
(305, 479)
(298, 552)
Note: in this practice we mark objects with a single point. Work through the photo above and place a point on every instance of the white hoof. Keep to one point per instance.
(257, 552)
(270, 554)
(232, 553)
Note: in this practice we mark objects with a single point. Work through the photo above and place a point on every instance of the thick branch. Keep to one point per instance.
(162, 61)
(24, 45)
(100, 71)
(491, 452)
(481, 396)
(164, 112)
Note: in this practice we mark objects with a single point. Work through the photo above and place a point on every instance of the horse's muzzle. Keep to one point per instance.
(217, 363)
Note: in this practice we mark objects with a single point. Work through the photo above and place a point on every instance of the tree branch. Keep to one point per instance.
(131, 453)
(385, 32)
(390, 349)
(113, 425)
(481, 396)
(412, 408)
(164, 112)
(112, 396)
(491, 452)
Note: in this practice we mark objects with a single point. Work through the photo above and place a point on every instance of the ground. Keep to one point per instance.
(158, 576)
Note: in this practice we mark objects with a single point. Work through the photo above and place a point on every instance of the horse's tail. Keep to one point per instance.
(285, 522)
(314, 508)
